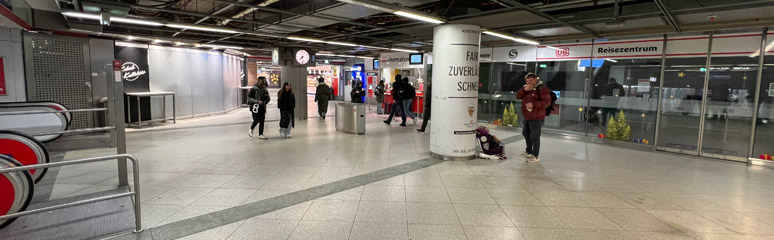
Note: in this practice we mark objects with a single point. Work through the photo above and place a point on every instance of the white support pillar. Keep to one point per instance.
(455, 91)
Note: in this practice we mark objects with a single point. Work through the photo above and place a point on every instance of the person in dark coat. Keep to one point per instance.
(398, 94)
(258, 97)
(357, 93)
(321, 96)
(379, 97)
(428, 95)
(286, 104)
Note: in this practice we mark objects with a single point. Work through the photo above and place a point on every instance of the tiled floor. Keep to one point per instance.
(578, 190)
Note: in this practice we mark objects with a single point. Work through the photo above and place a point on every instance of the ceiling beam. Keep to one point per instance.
(549, 17)
(325, 17)
(667, 15)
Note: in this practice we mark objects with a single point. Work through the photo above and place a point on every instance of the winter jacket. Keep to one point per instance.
(539, 101)
(323, 93)
(286, 101)
(399, 90)
(380, 93)
(257, 94)
(357, 95)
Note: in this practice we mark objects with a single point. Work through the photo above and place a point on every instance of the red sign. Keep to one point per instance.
(563, 52)
(117, 65)
(3, 91)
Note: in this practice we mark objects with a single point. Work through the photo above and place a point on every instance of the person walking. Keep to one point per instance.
(410, 94)
(321, 96)
(398, 93)
(258, 97)
(379, 97)
(428, 95)
(287, 103)
(357, 92)
(535, 97)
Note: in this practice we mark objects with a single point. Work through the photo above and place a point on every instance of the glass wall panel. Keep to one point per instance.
(499, 91)
(764, 131)
(568, 80)
(728, 116)
(681, 103)
(628, 85)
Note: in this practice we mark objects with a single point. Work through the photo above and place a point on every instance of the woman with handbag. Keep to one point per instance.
(286, 104)
(258, 98)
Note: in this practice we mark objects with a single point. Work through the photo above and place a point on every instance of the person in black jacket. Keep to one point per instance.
(410, 94)
(258, 97)
(398, 94)
(287, 103)
(357, 92)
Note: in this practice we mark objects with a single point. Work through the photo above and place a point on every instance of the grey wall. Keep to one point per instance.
(205, 82)
(102, 53)
(13, 65)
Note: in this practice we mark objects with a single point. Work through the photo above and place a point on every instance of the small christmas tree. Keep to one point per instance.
(514, 116)
(612, 129)
(506, 117)
(618, 129)
(627, 134)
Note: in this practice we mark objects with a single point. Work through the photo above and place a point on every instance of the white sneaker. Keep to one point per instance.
(262, 137)
(415, 120)
(526, 155)
(250, 132)
(533, 160)
(282, 132)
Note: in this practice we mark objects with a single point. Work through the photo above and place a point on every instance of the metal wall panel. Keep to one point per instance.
(161, 78)
(215, 82)
(182, 78)
(199, 92)
(58, 69)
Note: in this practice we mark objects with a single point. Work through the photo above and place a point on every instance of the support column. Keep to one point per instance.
(455, 91)
(296, 76)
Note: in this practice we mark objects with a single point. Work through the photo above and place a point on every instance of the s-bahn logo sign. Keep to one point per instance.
(563, 52)
(513, 53)
(130, 71)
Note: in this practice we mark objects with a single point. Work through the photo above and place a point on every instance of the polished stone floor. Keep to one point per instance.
(208, 166)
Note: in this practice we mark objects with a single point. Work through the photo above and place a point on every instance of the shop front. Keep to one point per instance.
(411, 65)
(705, 95)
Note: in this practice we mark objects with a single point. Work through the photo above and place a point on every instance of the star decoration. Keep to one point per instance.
(765, 121)
(580, 109)
(599, 111)
(643, 115)
(745, 77)
(681, 74)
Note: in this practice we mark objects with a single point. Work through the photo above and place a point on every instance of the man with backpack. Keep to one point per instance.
(536, 104)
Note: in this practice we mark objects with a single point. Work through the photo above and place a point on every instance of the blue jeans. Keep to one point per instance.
(407, 108)
(379, 108)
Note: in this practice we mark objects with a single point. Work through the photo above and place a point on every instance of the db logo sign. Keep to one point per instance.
(563, 52)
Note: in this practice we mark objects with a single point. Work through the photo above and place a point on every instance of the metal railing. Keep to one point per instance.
(57, 111)
(64, 132)
(135, 192)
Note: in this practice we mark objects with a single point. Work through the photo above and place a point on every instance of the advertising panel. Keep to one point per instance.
(455, 91)
(135, 77)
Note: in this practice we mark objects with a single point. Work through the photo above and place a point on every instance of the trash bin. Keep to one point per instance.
(350, 117)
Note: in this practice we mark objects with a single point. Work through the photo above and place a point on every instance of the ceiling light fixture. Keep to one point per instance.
(82, 15)
(179, 43)
(516, 39)
(306, 39)
(419, 17)
(366, 46)
(220, 46)
(325, 54)
(130, 37)
(135, 21)
(404, 50)
(341, 43)
(206, 29)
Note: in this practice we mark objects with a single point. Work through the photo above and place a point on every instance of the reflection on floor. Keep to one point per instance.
(577, 191)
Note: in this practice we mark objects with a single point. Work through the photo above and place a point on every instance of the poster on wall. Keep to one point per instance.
(135, 75)
(3, 91)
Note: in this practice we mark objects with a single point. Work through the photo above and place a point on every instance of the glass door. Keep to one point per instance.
(729, 107)
(681, 98)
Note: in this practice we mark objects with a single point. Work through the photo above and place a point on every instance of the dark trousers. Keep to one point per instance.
(322, 107)
(286, 119)
(531, 132)
(258, 119)
(395, 106)
(425, 119)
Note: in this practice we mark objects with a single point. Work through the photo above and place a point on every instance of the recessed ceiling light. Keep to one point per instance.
(512, 38)
(404, 50)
